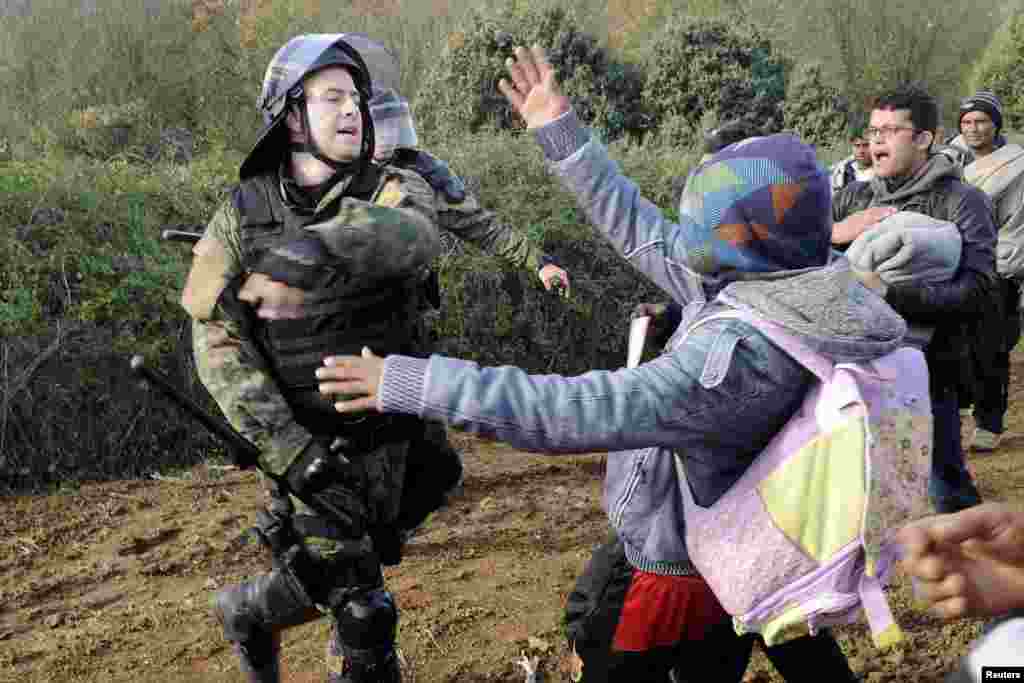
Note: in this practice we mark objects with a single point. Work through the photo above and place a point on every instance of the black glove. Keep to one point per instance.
(320, 480)
(303, 263)
(434, 171)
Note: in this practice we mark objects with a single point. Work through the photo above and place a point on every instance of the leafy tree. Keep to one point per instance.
(701, 70)
(815, 108)
(867, 46)
(1001, 70)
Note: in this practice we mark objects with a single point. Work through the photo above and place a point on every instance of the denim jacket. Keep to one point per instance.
(714, 398)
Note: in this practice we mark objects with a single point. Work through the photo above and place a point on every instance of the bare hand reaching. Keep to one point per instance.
(354, 381)
(970, 563)
(533, 91)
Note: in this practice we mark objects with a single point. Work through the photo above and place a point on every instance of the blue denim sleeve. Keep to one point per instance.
(720, 383)
(637, 229)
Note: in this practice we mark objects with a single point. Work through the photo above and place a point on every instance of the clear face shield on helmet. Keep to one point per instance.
(392, 116)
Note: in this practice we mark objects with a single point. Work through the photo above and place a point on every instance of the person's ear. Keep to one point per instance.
(293, 119)
(924, 139)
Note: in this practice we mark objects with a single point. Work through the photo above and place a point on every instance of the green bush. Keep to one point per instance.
(701, 70)
(460, 93)
(103, 262)
(814, 108)
(1001, 70)
(78, 297)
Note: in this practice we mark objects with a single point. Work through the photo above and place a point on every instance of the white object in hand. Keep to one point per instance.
(637, 336)
(529, 665)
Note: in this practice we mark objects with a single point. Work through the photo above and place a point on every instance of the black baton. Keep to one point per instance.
(181, 236)
(244, 453)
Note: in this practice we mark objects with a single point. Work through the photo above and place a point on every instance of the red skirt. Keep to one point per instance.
(661, 611)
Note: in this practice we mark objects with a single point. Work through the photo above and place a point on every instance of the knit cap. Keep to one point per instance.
(985, 101)
(758, 206)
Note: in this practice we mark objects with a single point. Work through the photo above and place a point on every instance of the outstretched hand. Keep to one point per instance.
(354, 380)
(533, 91)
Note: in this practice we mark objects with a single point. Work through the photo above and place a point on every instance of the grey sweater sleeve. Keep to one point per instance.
(561, 138)
(634, 226)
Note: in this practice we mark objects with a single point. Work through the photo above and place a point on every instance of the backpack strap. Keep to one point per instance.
(884, 630)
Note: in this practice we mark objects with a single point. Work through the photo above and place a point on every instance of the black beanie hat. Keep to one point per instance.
(985, 101)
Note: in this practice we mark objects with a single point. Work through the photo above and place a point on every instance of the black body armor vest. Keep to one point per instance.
(342, 318)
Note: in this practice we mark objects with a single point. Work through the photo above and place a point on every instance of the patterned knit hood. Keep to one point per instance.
(761, 211)
(758, 206)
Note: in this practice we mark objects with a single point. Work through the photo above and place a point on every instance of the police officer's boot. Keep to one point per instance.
(253, 613)
(362, 645)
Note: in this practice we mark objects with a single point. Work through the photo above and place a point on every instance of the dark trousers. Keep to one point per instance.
(604, 599)
(433, 467)
(721, 656)
(810, 659)
(998, 334)
(950, 486)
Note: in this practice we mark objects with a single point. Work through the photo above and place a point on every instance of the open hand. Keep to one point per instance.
(553, 276)
(355, 378)
(533, 91)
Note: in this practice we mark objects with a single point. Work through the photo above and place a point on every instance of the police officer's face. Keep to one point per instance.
(333, 104)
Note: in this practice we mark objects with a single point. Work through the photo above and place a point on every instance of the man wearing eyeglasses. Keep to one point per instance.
(997, 168)
(910, 176)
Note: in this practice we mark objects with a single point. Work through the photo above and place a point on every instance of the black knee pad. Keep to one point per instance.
(264, 604)
(368, 622)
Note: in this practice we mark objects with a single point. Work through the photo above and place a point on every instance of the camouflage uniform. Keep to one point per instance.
(393, 234)
(360, 254)
(458, 212)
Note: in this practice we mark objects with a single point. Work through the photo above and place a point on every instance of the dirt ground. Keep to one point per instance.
(111, 582)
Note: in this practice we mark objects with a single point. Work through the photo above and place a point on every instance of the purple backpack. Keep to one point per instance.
(804, 538)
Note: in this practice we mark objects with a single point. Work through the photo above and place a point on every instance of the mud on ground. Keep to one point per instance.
(111, 582)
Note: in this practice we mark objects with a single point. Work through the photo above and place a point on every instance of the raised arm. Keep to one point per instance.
(635, 227)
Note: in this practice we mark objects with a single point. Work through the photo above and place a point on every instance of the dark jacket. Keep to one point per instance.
(937, 191)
